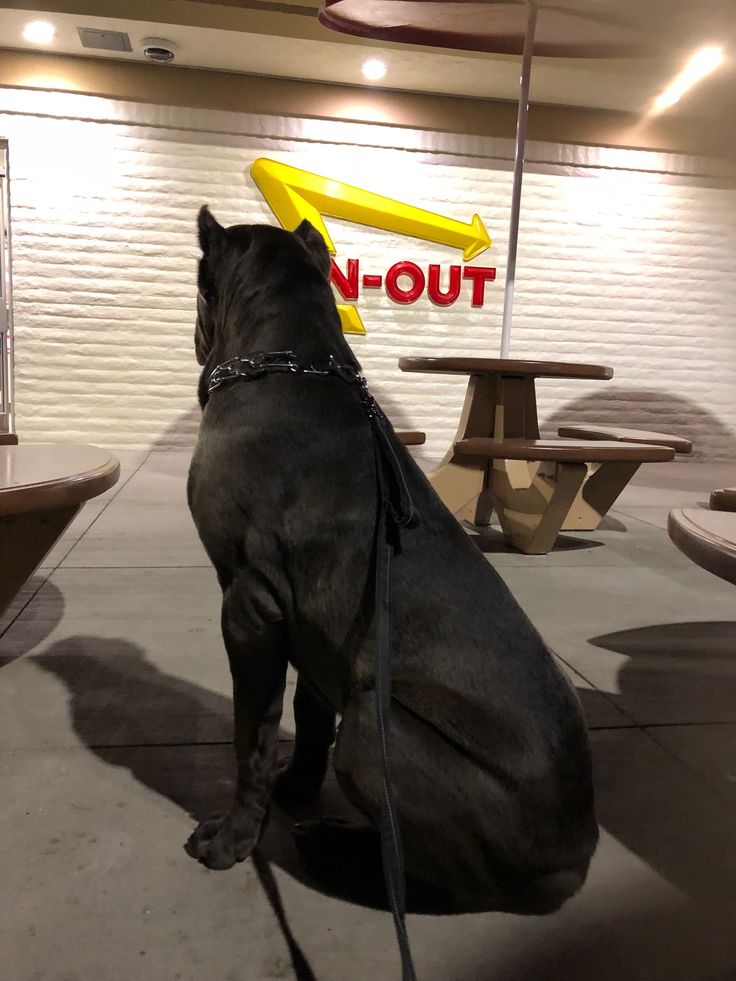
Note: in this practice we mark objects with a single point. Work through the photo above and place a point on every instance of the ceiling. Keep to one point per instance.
(286, 39)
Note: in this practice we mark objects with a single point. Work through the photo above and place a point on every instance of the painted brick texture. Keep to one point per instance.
(632, 268)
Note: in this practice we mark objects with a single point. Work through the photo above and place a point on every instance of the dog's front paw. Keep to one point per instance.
(216, 844)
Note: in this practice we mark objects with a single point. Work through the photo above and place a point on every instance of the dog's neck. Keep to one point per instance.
(312, 334)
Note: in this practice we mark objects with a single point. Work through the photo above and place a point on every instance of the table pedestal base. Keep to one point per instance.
(533, 501)
(531, 517)
(604, 483)
(26, 539)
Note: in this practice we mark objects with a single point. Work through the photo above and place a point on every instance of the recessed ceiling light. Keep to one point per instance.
(39, 32)
(373, 69)
(702, 63)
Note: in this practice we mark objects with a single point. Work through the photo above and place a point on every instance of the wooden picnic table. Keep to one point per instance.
(508, 382)
(498, 461)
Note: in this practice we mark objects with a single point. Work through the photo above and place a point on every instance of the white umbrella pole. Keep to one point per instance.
(521, 128)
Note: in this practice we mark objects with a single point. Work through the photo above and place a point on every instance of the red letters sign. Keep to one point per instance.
(405, 282)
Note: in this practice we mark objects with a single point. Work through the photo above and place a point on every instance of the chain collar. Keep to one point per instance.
(262, 363)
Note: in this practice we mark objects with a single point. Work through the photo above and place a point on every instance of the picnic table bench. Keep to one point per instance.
(723, 499)
(584, 431)
(411, 437)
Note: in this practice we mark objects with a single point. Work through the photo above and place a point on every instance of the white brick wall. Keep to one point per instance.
(625, 258)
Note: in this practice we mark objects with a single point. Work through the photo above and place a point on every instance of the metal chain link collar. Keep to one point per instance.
(285, 362)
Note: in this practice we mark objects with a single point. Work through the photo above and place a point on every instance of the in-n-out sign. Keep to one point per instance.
(294, 195)
(443, 295)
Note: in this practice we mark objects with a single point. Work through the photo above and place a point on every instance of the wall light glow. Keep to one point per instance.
(39, 32)
(373, 69)
(58, 84)
(702, 63)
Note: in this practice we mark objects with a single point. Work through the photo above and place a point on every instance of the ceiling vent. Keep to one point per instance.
(104, 40)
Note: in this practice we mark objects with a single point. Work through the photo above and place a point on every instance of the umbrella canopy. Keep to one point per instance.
(574, 29)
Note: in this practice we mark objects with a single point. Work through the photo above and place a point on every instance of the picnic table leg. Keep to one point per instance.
(515, 417)
(511, 413)
(26, 539)
(460, 481)
(597, 495)
(532, 516)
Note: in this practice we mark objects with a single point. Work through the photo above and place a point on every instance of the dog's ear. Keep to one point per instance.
(315, 246)
(203, 330)
(211, 232)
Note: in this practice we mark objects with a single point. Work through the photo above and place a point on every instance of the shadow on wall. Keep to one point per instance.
(635, 408)
(181, 433)
(629, 408)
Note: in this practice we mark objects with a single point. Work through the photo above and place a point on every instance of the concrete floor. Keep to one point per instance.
(114, 730)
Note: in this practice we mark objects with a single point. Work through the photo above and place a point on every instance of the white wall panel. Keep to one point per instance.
(619, 262)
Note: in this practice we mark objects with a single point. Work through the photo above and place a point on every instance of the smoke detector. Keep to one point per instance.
(159, 49)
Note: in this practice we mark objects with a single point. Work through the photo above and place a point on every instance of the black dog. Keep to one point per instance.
(490, 759)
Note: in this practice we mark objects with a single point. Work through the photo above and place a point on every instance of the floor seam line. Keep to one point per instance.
(53, 569)
(94, 521)
(604, 694)
(25, 605)
(688, 767)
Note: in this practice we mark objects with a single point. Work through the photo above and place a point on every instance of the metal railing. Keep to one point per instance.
(6, 308)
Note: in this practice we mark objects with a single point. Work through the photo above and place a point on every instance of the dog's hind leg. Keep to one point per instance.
(315, 733)
(258, 663)
(345, 856)
(472, 842)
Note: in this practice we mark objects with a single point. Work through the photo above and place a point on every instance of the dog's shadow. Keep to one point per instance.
(175, 737)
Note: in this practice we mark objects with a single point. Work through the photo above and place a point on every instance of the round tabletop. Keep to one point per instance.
(509, 367)
(39, 477)
(706, 537)
(572, 30)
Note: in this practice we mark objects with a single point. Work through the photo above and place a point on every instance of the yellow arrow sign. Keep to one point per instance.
(294, 195)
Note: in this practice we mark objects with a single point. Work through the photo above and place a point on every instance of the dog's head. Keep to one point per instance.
(240, 264)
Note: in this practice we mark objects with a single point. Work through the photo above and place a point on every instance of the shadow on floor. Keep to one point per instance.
(491, 541)
(647, 941)
(693, 639)
(174, 737)
(40, 618)
(676, 671)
